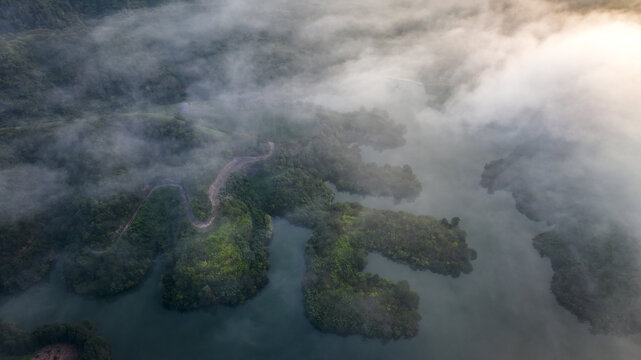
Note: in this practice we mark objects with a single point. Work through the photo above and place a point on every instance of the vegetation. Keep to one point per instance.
(97, 129)
(588, 5)
(327, 150)
(596, 275)
(26, 256)
(340, 299)
(17, 15)
(15, 342)
(85, 215)
(226, 266)
(422, 242)
(594, 259)
(124, 264)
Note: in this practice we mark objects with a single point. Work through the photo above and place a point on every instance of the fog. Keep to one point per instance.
(508, 72)
(473, 81)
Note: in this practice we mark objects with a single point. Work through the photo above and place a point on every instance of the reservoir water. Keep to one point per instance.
(502, 310)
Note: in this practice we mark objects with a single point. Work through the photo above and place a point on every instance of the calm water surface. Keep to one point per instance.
(502, 310)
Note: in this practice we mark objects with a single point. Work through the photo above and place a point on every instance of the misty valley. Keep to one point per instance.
(322, 180)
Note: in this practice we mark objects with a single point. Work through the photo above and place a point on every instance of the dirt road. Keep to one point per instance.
(236, 164)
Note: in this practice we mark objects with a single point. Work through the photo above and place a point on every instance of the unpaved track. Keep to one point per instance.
(236, 164)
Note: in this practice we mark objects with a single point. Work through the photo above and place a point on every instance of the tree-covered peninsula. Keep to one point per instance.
(340, 298)
(593, 256)
(112, 166)
(115, 239)
(69, 341)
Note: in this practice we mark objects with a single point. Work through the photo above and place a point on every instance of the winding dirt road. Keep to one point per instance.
(236, 164)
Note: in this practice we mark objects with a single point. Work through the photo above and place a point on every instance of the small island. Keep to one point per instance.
(341, 299)
(53, 341)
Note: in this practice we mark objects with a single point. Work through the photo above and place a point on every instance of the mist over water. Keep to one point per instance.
(472, 82)
(502, 310)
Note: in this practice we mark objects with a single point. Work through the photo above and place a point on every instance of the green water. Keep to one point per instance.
(502, 310)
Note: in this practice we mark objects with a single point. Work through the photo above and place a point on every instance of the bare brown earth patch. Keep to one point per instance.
(58, 352)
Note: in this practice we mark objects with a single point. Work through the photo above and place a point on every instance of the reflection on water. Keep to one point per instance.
(502, 310)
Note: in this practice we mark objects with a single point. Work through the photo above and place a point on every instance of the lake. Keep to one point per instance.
(502, 310)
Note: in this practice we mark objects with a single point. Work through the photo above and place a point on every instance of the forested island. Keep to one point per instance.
(109, 169)
(340, 298)
(227, 262)
(53, 341)
(594, 258)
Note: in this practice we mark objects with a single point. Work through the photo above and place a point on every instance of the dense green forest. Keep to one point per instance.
(89, 129)
(16, 343)
(596, 274)
(83, 215)
(227, 265)
(339, 298)
(100, 262)
(592, 256)
(123, 264)
(17, 15)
